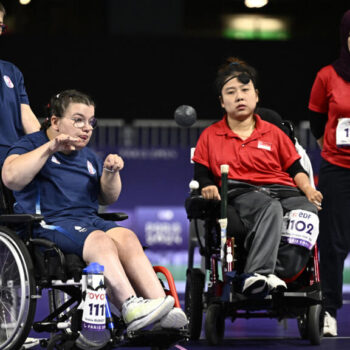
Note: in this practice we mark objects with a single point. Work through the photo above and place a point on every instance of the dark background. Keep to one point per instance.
(143, 58)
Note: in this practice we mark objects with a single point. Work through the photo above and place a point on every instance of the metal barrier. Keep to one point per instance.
(146, 133)
(165, 133)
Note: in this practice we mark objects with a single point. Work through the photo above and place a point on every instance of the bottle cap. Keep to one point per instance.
(94, 268)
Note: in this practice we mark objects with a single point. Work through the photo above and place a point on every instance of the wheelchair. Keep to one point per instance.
(217, 296)
(29, 265)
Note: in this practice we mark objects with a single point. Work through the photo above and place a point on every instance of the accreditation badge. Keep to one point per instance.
(343, 132)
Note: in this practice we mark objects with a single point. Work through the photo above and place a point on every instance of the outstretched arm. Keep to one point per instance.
(111, 184)
(19, 170)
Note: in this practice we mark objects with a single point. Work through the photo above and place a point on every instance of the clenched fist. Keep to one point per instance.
(113, 163)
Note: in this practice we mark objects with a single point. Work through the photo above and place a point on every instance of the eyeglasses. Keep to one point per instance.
(81, 122)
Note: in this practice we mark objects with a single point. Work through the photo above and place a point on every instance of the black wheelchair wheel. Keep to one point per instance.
(302, 326)
(17, 286)
(215, 324)
(194, 302)
(315, 324)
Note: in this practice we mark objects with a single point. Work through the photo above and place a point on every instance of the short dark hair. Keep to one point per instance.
(2, 8)
(232, 68)
(60, 102)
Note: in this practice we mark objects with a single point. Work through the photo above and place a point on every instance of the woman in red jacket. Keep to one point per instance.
(330, 123)
(266, 179)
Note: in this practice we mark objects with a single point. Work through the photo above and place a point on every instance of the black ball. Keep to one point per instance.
(185, 115)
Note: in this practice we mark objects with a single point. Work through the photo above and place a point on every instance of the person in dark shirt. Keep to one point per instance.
(53, 173)
(16, 116)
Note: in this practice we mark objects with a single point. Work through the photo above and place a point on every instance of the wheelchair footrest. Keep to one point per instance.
(50, 326)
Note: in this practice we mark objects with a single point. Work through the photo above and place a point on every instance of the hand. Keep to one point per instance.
(211, 192)
(113, 163)
(314, 196)
(63, 143)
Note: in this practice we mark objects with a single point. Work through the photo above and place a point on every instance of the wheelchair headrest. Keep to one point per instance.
(273, 117)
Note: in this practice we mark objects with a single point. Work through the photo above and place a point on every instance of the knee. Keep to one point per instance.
(274, 207)
(125, 239)
(98, 243)
(310, 207)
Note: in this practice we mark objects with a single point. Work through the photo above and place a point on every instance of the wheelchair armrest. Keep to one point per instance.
(113, 216)
(20, 218)
(43, 242)
(199, 208)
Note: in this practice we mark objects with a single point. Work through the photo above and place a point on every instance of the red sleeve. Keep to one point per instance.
(201, 153)
(318, 98)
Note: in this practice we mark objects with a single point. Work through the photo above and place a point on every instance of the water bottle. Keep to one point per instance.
(94, 334)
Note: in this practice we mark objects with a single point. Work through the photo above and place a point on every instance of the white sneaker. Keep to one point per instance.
(138, 312)
(90, 341)
(254, 284)
(175, 318)
(329, 326)
(275, 284)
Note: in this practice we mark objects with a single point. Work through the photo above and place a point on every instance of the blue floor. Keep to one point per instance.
(267, 334)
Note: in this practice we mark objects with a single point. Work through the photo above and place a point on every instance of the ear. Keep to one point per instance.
(55, 122)
(221, 101)
(257, 95)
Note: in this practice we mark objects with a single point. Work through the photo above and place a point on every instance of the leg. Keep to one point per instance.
(99, 248)
(137, 312)
(292, 258)
(136, 264)
(262, 215)
(141, 274)
(334, 238)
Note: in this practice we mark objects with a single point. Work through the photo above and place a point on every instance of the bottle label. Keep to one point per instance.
(94, 315)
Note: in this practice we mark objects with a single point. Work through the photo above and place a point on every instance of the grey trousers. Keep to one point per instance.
(262, 214)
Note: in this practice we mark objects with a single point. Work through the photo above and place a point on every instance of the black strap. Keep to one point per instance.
(237, 188)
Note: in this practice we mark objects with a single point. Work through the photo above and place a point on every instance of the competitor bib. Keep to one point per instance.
(300, 227)
(343, 132)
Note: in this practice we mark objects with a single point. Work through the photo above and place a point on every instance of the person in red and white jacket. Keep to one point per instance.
(329, 107)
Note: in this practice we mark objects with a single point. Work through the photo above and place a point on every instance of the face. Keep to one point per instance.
(238, 99)
(76, 114)
(1, 21)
